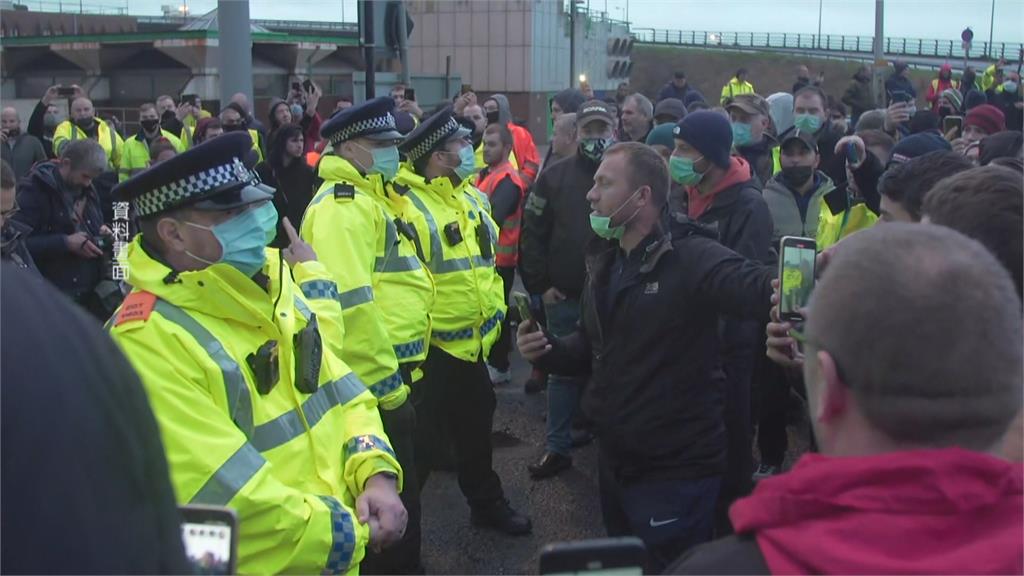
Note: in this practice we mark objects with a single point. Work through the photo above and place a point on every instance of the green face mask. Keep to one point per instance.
(683, 172)
(807, 122)
(602, 225)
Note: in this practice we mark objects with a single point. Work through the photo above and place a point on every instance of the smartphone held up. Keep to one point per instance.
(796, 276)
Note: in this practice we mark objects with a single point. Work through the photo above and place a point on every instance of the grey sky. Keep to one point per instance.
(941, 19)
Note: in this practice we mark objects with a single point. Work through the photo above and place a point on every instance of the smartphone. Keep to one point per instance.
(852, 157)
(410, 94)
(601, 556)
(210, 534)
(189, 99)
(796, 276)
(522, 303)
(466, 88)
(307, 86)
(66, 91)
(950, 122)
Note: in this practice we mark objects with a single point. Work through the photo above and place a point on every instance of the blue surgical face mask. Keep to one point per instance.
(1010, 86)
(467, 163)
(741, 135)
(243, 238)
(807, 122)
(385, 162)
(682, 170)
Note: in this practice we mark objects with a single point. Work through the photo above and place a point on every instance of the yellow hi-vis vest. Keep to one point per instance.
(834, 227)
(290, 463)
(361, 234)
(455, 231)
(136, 154)
(109, 139)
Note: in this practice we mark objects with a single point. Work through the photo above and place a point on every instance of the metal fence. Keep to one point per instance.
(952, 49)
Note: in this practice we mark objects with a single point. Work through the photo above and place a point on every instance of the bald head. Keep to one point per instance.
(81, 109)
(241, 99)
(564, 140)
(920, 329)
(10, 122)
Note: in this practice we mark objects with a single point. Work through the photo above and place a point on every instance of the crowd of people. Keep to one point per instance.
(315, 312)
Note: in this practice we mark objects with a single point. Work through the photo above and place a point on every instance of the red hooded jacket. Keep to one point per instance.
(947, 511)
(939, 85)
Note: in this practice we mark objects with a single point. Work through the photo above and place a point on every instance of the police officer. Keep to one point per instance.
(257, 411)
(364, 234)
(458, 241)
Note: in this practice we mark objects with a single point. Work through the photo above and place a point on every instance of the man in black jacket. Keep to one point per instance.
(12, 234)
(556, 229)
(648, 339)
(59, 204)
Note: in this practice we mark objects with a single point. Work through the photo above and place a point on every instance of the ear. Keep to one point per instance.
(817, 160)
(169, 231)
(834, 399)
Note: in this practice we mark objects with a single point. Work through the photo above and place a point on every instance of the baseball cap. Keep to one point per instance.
(750, 103)
(797, 135)
(592, 110)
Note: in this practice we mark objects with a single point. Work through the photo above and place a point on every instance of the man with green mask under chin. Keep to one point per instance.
(647, 338)
(257, 410)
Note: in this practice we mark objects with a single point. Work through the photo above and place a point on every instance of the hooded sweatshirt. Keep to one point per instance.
(523, 148)
(941, 83)
(944, 511)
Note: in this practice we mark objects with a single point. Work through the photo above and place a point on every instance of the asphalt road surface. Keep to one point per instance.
(562, 508)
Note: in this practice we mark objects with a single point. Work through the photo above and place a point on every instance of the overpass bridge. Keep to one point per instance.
(917, 52)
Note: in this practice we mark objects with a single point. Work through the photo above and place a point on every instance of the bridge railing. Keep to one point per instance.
(952, 49)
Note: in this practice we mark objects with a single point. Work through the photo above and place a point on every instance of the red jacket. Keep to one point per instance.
(937, 86)
(526, 153)
(947, 511)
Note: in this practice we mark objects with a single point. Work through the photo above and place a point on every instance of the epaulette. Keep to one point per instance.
(137, 306)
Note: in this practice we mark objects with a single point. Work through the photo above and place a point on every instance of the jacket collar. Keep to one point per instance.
(220, 290)
(823, 185)
(335, 168)
(441, 186)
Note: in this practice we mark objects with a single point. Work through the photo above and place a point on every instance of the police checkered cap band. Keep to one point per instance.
(368, 126)
(428, 143)
(199, 184)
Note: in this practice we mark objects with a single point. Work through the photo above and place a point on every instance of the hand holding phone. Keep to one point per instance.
(952, 126)
(210, 534)
(797, 257)
(66, 91)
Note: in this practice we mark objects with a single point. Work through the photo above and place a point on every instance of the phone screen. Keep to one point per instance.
(410, 94)
(522, 304)
(950, 122)
(796, 278)
(623, 556)
(208, 547)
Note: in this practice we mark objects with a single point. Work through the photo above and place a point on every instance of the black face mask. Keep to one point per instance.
(233, 127)
(149, 125)
(85, 123)
(797, 176)
(13, 132)
(167, 116)
(492, 117)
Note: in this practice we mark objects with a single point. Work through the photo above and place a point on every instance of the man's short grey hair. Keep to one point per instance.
(925, 328)
(643, 104)
(85, 154)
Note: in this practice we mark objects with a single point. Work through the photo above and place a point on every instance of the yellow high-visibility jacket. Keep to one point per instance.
(470, 295)
(734, 88)
(359, 231)
(136, 154)
(834, 227)
(290, 463)
(110, 140)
